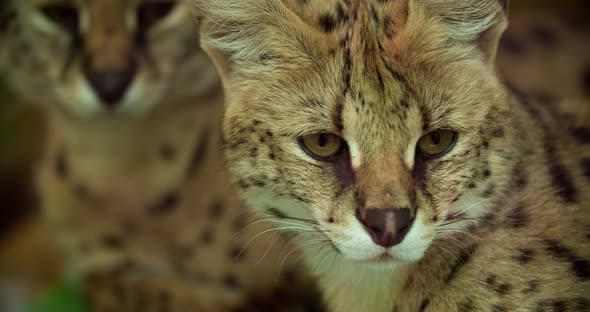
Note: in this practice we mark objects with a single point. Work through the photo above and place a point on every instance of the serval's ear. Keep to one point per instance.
(252, 36)
(479, 21)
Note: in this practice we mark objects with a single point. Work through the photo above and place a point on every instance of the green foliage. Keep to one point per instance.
(66, 297)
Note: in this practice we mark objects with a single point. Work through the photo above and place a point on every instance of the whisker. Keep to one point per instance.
(262, 233)
(269, 247)
(295, 249)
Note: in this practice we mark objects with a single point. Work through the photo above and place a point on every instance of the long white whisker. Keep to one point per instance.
(472, 206)
(262, 233)
(316, 241)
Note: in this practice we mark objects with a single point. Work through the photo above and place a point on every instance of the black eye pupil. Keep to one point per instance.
(322, 140)
(150, 13)
(63, 15)
(435, 138)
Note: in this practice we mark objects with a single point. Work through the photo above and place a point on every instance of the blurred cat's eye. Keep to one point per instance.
(322, 146)
(437, 143)
(150, 13)
(66, 16)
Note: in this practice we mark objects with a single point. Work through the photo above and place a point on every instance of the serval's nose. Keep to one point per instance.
(387, 226)
(111, 85)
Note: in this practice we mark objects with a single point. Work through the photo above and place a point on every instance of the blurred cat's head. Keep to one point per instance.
(89, 58)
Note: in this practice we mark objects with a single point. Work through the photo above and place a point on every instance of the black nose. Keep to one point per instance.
(387, 226)
(111, 85)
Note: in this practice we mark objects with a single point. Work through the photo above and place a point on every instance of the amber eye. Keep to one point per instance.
(322, 146)
(63, 15)
(150, 13)
(437, 143)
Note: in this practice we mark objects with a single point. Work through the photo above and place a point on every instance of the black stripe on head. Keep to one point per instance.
(560, 177)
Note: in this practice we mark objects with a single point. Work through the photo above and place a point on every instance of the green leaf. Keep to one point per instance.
(66, 297)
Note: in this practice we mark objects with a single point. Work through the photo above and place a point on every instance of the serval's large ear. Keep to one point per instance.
(477, 21)
(246, 37)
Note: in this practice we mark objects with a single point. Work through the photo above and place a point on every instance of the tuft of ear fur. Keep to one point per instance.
(238, 34)
(479, 21)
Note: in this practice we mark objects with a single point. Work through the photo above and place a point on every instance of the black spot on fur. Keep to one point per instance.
(582, 135)
(585, 164)
(237, 253)
(503, 288)
(498, 308)
(199, 152)
(207, 236)
(557, 305)
(561, 179)
(254, 152)
(113, 242)
(230, 281)
(82, 192)
(513, 46)
(327, 23)
(544, 36)
(491, 280)
(61, 165)
(166, 205)
(580, 305)
(239, 223)
(486, 173)
(216, 209)
(520, 178)
(498, 133)
(424, 305)
(524, 255)
(466, 306)
(500, 288)
(518, 217)
(585, 80)
(375, 15)
(167, 152)
(462, 260)
(531, 287)
(341, 14)
(580, 267)
(7, 15)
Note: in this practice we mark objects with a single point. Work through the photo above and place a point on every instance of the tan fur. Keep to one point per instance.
(501, 220)
(137, 197)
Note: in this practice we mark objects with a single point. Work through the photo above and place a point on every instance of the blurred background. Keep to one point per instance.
(29, 266)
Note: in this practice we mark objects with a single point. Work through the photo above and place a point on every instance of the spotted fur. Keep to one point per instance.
(501, 221)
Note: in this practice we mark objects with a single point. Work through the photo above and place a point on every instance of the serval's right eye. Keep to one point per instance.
(64, 15)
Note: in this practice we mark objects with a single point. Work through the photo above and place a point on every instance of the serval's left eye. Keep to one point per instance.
(437, 143)
(322, 146)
